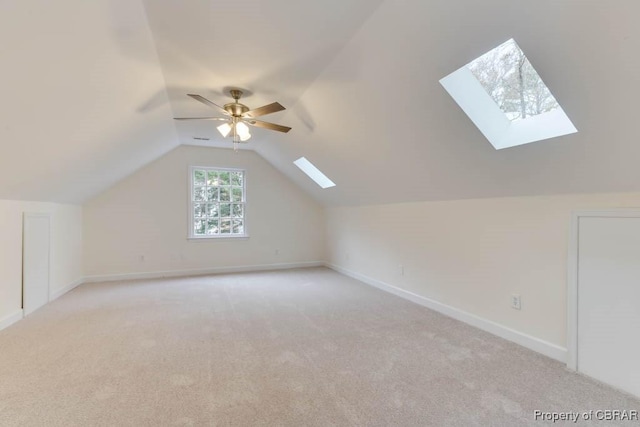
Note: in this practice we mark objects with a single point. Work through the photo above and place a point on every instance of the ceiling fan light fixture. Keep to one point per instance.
(224, 129)
(238, 116)
(243, 131)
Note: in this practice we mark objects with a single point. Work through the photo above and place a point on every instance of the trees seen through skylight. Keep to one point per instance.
(508, 77)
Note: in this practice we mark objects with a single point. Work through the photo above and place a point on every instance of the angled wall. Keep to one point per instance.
(84, 100)
(140, 225)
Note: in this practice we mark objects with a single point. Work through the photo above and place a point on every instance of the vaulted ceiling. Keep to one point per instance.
(89, 90)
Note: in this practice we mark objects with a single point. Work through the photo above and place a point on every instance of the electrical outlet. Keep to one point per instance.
(515, 302)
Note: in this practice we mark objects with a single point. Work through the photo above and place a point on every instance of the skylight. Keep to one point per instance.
(314, 173)
(506, 99)
(508, 77)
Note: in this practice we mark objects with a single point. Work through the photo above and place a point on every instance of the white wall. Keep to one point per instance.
(147, 215)
(471, 254)
(66, 251)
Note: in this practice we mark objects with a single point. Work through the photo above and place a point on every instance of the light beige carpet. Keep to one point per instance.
(294, 348)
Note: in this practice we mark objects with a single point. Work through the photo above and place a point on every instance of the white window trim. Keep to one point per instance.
(193, 237)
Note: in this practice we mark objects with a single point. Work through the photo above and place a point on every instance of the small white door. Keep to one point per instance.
(35, 261)
(609, 301)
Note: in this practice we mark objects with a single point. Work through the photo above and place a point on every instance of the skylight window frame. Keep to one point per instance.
(493, 123)
(314, 173)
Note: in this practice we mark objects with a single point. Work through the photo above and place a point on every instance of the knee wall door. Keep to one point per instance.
(35, 261)
(608, 335)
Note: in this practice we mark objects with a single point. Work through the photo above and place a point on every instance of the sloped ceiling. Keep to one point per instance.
(390, 133)
(75, 78)
(89, 90)
(272, 49)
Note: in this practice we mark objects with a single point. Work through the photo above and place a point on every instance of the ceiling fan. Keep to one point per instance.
(238, 116)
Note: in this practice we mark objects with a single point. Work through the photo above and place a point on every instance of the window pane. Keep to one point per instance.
(198, 227)
(198, 210)
(212, 210)
(508, 77)
(224, 177)
(225, 210)
(198, 177)
(225, 194)
(237, 211)
(212, 227)
(225, 226)
(236, 195)
(236, 178)
(218, 204)
(212, 194)
(199, 194)
(212, 178)
(238, 226)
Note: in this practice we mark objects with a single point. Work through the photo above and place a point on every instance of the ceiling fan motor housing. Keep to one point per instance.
(236, 109)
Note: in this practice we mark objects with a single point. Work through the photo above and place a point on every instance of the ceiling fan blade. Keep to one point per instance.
(267, 125)
(264, 110)
(205, 101)
(201, 118)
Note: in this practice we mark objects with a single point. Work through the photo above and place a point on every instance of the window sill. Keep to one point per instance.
(219, 237)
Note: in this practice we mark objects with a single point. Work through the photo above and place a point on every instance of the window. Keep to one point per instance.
(314, 173)
(508, 77)
(506, 99)
(218, 200)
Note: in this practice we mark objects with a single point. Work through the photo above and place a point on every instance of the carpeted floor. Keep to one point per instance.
(303, 347)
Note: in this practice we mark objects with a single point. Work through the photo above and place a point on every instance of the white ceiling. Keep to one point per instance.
(89, 90)
(75, 78)
(273, 49)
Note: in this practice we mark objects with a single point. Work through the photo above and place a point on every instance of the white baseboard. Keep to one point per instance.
(201, 272)
(57, 294)
(544, 347)
(11, 319)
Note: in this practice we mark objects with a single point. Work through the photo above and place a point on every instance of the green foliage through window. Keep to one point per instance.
(217, 202)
